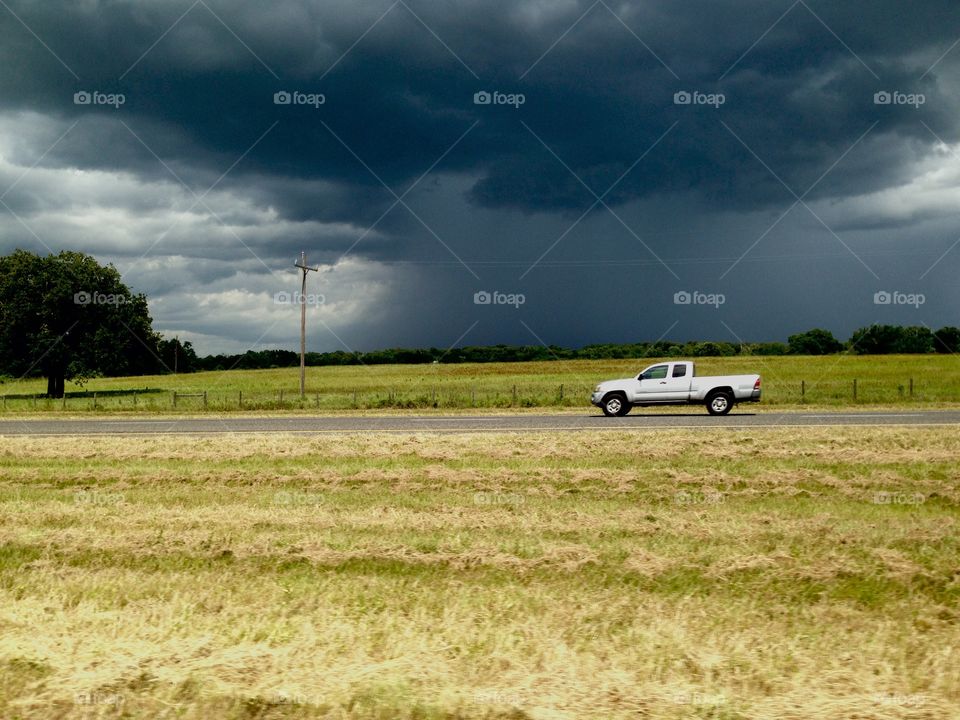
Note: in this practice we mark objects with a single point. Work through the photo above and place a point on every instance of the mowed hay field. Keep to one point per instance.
(784, 573)
(788, 382)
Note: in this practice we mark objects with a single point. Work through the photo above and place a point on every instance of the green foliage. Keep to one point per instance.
(947, 340)
(814, 342)
(886, 339)
(65, 316)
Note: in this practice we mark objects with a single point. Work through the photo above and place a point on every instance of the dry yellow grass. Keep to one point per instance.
(787, 573)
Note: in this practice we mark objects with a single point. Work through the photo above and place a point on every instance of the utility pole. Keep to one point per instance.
(304, 268)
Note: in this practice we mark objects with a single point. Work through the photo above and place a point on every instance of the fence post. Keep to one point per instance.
(174, 398)
(434, 395)
(94, 401)
(204, 399)
(4, 402)
(240, 399)
(318, 399)
(63, 402)
(514, 396)
(911, 387)
(473, 397)
(134, 398)
(281, 397)
(854, 388)
(34, 400)
(803, 389)
(354, 398)
(561, 392)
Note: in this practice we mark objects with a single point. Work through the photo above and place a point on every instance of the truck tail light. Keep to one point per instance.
(756, 385)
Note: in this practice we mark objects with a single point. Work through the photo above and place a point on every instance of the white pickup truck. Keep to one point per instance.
(675, 383)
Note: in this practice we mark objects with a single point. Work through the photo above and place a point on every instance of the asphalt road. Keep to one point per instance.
(464, 423)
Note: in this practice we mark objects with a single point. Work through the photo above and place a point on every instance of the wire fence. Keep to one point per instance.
(854, 391)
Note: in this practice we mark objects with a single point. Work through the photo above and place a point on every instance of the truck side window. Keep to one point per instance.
(679, 370)
(658, 372)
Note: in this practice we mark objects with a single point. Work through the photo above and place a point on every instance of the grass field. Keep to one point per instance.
(787, 382)
(796, 574)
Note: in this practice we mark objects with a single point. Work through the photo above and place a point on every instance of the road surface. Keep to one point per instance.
(465, 423)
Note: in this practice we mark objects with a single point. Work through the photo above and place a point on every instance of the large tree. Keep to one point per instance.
(67, 317)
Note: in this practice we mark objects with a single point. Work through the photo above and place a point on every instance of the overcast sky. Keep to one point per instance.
(606, 171)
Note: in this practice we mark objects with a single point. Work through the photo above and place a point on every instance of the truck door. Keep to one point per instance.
(677, 385)
(652, 385)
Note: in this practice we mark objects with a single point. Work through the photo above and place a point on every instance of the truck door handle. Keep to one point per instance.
(663, 382)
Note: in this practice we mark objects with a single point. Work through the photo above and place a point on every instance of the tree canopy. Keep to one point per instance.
(67, 317)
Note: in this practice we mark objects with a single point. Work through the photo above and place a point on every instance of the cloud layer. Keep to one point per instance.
(796, 157)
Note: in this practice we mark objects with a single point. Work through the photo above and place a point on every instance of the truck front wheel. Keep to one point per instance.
(615, 405)
(719, 403)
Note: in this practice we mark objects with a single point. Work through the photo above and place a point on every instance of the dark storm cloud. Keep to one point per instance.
(199, 98)
(700, 184)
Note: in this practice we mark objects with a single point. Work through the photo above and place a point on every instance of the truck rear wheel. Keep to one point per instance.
(615, 405)
(719, 403)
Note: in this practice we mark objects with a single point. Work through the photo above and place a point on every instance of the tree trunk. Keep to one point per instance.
(55, 386)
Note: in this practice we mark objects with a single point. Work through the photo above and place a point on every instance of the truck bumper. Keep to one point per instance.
(595, 398)
(754, 396)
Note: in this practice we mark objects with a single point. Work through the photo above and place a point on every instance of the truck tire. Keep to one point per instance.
(615, 405)
(719, 403)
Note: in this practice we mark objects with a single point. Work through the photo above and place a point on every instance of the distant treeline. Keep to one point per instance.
(874, 340)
